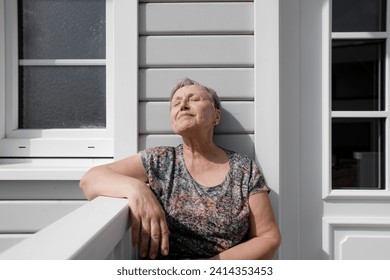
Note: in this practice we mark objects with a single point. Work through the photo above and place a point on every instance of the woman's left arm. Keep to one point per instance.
(264, 235)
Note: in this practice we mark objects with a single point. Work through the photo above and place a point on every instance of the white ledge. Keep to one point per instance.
(46, 168)
(61, 62)
(90, 232)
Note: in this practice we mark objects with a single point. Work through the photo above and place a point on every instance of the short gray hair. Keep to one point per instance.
(188, 82)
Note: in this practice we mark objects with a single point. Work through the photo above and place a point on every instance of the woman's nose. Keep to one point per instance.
(184, 104)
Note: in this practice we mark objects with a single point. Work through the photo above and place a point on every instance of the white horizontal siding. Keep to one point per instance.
(237, 117)
(31, 169)
(31, 216)
(230, 83)
(40, 190)
(210, 42)
(196, 51)
(196, 18)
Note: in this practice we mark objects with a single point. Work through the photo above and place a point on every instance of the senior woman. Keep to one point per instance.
(196, 200)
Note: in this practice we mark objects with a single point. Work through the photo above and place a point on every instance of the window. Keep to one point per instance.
(358, 101)
(58, 96)
(46, 149)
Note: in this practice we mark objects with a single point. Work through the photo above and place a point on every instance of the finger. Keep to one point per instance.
(145, 238)
(135, 227)
(164, 238)
(154, 239)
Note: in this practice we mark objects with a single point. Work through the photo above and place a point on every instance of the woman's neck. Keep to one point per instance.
(197, 146)
(207, 163)
(196, 151)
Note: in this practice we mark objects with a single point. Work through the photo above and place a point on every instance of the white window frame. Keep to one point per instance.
(327, 36)
(2, 69)
(267, 99)
(57, 154)
(51, 142)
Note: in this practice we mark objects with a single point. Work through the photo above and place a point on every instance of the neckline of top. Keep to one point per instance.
(206, 188)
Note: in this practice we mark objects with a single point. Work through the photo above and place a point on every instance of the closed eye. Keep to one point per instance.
(176, 102)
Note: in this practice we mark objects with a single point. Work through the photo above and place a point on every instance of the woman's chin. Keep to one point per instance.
(182, 129)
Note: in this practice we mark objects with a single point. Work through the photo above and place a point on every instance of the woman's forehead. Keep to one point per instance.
(189, 91)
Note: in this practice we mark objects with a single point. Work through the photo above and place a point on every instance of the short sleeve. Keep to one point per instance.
(257, 183)
(158, 163)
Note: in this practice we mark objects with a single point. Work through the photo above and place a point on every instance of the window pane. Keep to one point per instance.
(62, 97)
(358, 15)
(358, 75)
(62, 29)
(358, 153)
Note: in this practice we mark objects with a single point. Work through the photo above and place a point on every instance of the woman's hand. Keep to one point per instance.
(149, 226)
(126, 178)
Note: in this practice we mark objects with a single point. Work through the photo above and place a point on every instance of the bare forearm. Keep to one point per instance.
(254, 249)
(103, 181)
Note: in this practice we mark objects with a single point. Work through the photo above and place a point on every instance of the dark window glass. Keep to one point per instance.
(358, 153)
(62, 97)
(62, 29)
(358, 15)
(358, 75)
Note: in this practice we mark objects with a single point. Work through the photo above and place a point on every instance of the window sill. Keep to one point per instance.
(336, 195)
(46, 169)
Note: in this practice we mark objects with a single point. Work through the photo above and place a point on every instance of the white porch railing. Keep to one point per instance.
(97, 230)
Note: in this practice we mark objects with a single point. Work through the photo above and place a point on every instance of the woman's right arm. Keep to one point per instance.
(127, 179)
(113, 179)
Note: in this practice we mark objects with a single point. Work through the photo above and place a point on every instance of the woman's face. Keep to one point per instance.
(192, 110)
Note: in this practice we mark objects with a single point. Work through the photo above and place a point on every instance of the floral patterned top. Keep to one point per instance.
(203, 221)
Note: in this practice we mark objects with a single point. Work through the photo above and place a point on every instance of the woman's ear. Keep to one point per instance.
(218, 114)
